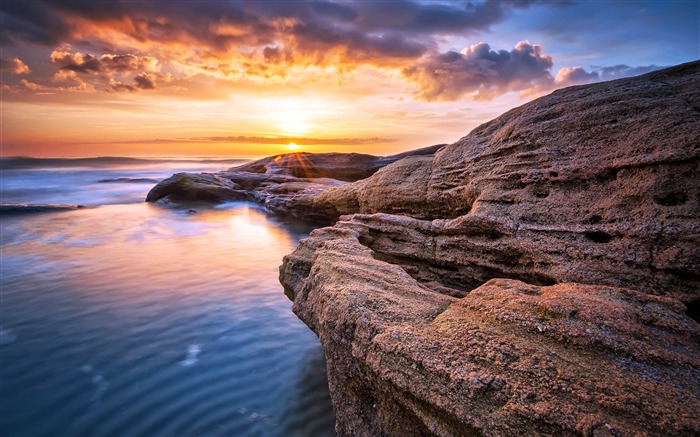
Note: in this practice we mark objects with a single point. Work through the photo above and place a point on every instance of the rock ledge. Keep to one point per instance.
(532, 278)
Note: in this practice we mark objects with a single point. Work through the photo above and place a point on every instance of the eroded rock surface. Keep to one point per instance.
(508, 358)
(598, 184)
(529, 279)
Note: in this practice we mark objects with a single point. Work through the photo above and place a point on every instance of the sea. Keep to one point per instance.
(123, 318)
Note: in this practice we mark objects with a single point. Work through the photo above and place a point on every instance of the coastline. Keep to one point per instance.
(525, 280)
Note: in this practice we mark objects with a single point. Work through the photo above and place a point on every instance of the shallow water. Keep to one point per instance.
(137, 320)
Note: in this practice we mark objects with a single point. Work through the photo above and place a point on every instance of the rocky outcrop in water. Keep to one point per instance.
(285, 184)
(532, 278)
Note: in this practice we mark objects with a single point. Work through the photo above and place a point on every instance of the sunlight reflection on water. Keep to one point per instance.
(142, 320)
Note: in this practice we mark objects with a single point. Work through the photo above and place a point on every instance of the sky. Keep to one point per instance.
(247, 78)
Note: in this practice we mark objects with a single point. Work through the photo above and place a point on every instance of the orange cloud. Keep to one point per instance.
(15, 66)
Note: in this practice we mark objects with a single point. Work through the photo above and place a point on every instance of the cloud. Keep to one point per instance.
(31, 85)
(142, 81)
(88, 63)
(24, 84)
(15, 66)
(129, 62)
(253, 41)
(307, 141)
(242, 139)
(481, 72)
(619, 71)
(112, 69)
(318, 30)
(576, 75)
(145, 81)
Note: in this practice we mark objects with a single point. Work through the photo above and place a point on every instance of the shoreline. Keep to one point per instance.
(515, 282)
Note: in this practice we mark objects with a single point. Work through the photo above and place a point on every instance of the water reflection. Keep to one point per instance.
(139, 320)
(305, 415)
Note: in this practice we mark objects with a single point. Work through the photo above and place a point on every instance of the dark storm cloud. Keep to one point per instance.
(414, 17)
(258, 33)
(481, 71)
(238, 38)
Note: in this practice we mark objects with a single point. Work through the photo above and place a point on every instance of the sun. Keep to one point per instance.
(292, 146)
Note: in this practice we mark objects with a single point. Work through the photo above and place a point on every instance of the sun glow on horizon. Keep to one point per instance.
(249, 77)
(293, 147)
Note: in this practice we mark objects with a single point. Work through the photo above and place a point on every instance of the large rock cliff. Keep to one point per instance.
(532, 278)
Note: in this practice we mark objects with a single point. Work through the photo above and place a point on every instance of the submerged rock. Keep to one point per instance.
(529, 279)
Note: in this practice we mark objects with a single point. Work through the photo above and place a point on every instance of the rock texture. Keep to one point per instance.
(597, 184)
(508, 358)
(532, 278)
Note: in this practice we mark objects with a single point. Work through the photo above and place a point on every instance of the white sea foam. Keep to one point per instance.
(192, 357)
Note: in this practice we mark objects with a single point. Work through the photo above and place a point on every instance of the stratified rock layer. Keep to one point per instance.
(526, 280)
(598, 184)
(509, 358)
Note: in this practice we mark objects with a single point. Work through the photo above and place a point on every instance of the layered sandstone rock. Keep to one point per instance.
(529, 279)
(598, 184)
(509, 358)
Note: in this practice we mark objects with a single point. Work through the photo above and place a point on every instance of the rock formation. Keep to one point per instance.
(525, 280)
(509, 358)
(285, 184)
(533, 278)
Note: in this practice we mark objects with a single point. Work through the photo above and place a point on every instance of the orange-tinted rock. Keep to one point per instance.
(508, 358)
(525, 280)
(599, 184)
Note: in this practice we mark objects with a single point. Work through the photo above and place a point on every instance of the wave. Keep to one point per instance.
(24, 162)
(129, 181)
(29, 208)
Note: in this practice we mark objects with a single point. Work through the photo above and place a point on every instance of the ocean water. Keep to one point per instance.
(128, 319)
